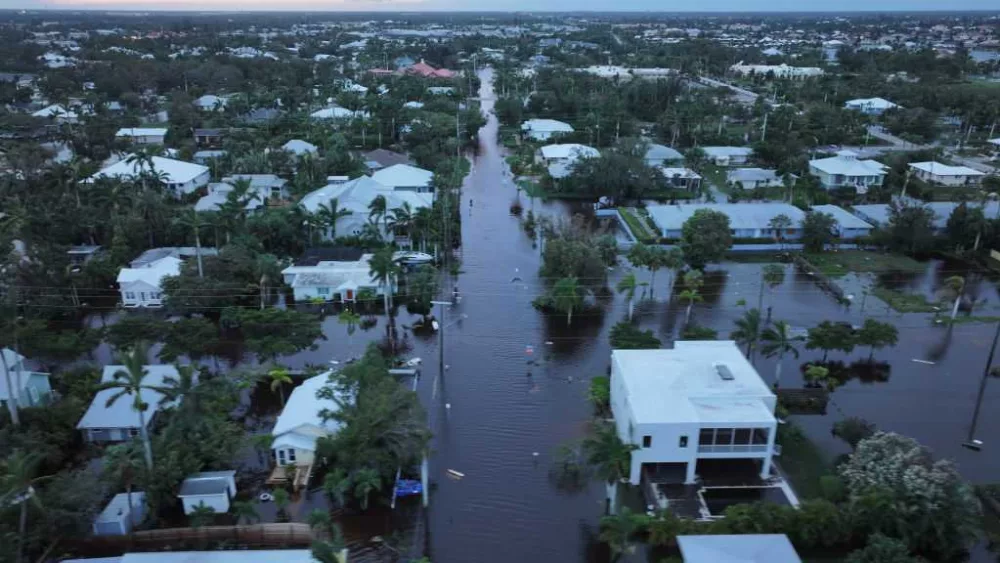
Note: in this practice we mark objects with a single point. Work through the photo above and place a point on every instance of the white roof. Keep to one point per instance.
(303, 408)
(845, 219)
(938, 169)
(12, 358)
(546, 125)
(210, 101)
(120, 414)
(356, 194)
(742, 548)
(875, 103)
(338, 275)
(741, 215)
(879, 212)
(994, 141)
(141, 132)
(337, 112)
(403, 175)
(751, 175)
(683, 384)
(657, 151)
(673, 172)
(152, 273)
(716, 152)
(55, 110)
(299, 147)
(119, 503)
(846, 163)
(176, 171)
(569, 150)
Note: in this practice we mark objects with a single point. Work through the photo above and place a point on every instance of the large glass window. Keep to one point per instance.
(760, 435)
(723, 436)
(742, 437)
(706, 437)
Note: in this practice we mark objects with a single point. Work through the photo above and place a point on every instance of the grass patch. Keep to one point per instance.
(636, 226)
(801, 461)
(906, 302)
(839, 264)
(716, 175)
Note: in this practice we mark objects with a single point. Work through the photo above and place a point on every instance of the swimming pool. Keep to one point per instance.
(717, 499)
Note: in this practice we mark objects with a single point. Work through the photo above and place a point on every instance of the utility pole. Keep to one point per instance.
(970, 441)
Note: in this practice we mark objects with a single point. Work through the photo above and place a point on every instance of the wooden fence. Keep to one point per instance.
(272, 535)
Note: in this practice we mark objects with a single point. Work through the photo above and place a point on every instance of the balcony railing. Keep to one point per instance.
(753, 448)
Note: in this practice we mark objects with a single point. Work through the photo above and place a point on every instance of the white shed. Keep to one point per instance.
(114, 519)
(213, 489)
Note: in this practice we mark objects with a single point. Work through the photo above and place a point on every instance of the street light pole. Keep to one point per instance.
(970, 441)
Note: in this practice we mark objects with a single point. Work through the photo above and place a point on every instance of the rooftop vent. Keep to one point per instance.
(724, 373)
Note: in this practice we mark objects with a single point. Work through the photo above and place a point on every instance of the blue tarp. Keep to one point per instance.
(407, 487)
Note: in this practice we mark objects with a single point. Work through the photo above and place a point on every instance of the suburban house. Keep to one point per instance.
(382, 158)
(681, 177)
(28, 387)
(848, 226)
(337, 113)
(746, 220)
(560, 158)
(57, 113)
(80, 255)
(728, 156)
(298, 147)
(937, 173)
(845, 169)
(440, 90)
(234, 556)
(878, 213)
(213, 489)
(741, 548)
(299, 426)
(870, 106)
(181, 252)
(208, 138)
(355, 197)
(702, 400)
(660, 155)
(776, 71)
(119, 422)
(119, 517)
(207, 156)
(141, 286)
(545, 129)
(180, 177)
(753, 178)
(427, 71)
(142, 135)
(405, 177)
(264, 186)
(337, 280)
(210, 102)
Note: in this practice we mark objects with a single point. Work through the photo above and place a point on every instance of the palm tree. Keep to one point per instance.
(384, 269)
(748, 331)
(955, 285)
(279, 377)
(319, 519)
(611, 457)
(377, 210)
(245, 510)
(194, 221)
(619, 531)
(329, 214)
(131, 381)
(142, 163)
(567, 296)
(692, 281)
(336, 484)
(628, 285)
(184, 386)
(778, 342)
(657, 258)
(281, 500)
(422, 226)
(400, 218)
(366, 481)
(351, 319)
(201, 515)
(17, 479)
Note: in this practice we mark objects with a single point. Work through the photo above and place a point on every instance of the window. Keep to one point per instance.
(760, 435)
(683, 442)
(706, 437)
(647, 441)
(291, 455)
(129, 295)
(723, 436)
(322, 291)
(742, 437)
(133, 432)
(154, 295)
(142, 296)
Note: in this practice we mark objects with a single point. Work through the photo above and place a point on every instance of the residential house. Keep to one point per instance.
(427, 71)
(180, 252)
(208, 138)
(207, 156)
(846, 169)
(142, 135)
(212, 489)
(260, 116)
(332, 280)
(741, 548)
(702, 400)
(180, 177)
(210, 102)
(299, 425)
(662, 155)
(28, 387)
(142, 287)
(80, 255)
(776, 71)
(119, 516)
(404, 177)
(218, 195)
(746, 220)
(298, 147)
(545, 129)
(681, 177)
(870, 106)
(382, 158)
(728, 156)
(355, 196)
(57, 113)
(560, 159)
(265, 187)
(752, 178)
(945, 175)
(337, 113)
(878, 213)
(849, 226)
(119, 421)
(440, 90)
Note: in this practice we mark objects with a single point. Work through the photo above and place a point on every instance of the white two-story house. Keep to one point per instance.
(701, 400)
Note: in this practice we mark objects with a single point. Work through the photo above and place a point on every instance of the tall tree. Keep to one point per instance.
(329, 214)
(779, 341)
(693, 281)
(705, 238)
(627, 285)
(827, 336)
(748, 331)
(817, 231)
(194, 221)
(877, 335)
(131, 381)
(567, 296)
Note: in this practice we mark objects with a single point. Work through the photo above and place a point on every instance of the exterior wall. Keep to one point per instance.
(854, 233)
(109, 434)
(961, 180)
(141, 295)
(835, 180)
(303, 294)
(283, 456)
(219, 503)
(192, 185)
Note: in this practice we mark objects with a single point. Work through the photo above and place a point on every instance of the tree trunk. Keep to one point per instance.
(687, 315)
(777, 370)
(147, 448)
(652, 281)
(197, 252)
(954, 309)
(12, 399)
(630, 309)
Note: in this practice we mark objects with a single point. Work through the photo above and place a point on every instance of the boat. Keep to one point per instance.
(412, 258)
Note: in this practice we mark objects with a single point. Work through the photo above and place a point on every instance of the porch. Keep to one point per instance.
(663, 485)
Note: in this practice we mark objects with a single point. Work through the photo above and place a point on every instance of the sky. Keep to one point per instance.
(507, 5)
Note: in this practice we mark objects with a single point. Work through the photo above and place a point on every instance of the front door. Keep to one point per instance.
(281, 457)
(350, 295)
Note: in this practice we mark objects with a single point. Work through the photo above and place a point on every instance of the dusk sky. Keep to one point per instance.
(505, 5)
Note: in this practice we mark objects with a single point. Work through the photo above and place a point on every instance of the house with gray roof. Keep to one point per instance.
(849, 226)
(752, 178)
(746, 220)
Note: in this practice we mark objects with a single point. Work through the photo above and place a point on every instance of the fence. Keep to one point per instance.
(272, 535)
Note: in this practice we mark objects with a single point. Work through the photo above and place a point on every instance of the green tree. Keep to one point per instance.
(607, 453)
(351, 319)
(273, 332)
(130, 381)
(619, 531)
(693, 281)
(365, 482)
(882, 549)
(194, 337)
(853, 429)
(658, 257)
(195, 222)
(132, 330)
(965, 227)
(627, 286)
(278, 378)
(281, 501)
(705, 238)
(567, 296)
(955, 287)
(422, 287)
(778, 225)
(827, 336)
(377, 211)
(201, 515)
(748, 331)
(385, 270)
(245, 511)
(599, 394)
(910, 228)
(778, 341)
(877, 335)
(329, 214)
(625, 336)
(18, 475)
(336, 484)
(817, 231)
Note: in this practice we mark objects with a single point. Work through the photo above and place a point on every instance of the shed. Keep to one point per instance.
(114, 519)
(213, 489)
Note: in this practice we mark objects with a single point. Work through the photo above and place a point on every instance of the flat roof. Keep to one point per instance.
(684, 384)
(939, 169)
(845, 219)
(742, 548)
(741, 215)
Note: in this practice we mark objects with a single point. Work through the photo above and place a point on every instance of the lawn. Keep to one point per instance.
(716, 175)
(839, 264)
(801, 461)
(636, 225)
(906, 302)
